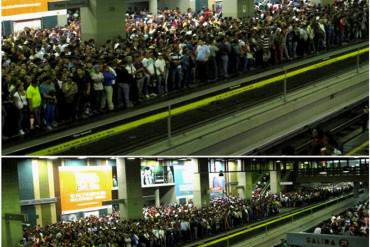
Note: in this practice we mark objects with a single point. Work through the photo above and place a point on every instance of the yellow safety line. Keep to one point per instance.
(191, 106)
(356, 149)
(263, 225)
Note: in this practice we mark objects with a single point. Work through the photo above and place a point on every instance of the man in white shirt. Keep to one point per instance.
(317, 230)
(160, 65)
(149, 67)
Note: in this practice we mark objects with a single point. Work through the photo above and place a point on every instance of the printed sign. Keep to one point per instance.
(16, 7)
(84, 187)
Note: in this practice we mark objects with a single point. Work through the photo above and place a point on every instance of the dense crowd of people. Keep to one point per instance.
(51, 77)
(353, 222)
(170, 225)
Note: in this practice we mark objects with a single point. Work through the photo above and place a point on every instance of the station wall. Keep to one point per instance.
(11, 231)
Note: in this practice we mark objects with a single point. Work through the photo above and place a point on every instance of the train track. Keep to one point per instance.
(340, 126)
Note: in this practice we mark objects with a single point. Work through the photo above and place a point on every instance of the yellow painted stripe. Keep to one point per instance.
(16, 6)
(191, 106)
(264, 224)
(52, 191)
(36, 178)
(356, 149)
(36, 189)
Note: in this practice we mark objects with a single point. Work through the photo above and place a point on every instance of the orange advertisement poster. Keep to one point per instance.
(17, 7)
(84, 187)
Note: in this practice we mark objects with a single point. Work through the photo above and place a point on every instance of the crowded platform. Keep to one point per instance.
(175, 224)
(51, 77)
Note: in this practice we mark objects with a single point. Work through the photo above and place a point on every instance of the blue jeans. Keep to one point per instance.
(225, 65)
(176, 78)
(49, 113)
(124, 93)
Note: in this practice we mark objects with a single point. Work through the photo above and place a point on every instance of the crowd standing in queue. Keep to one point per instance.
(50, 77)
(353, 222)
(174, 224)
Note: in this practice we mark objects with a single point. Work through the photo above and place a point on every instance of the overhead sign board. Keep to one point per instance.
(66, 4)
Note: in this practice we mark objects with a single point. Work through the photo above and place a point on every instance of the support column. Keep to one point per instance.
(153, 7)
(11, 230)
(129, 188)
(238, 8)
(245, 183)
(157, 196)
(103, 20)
(201, 195)
(232, 176)
(356, 187)
(275, 177)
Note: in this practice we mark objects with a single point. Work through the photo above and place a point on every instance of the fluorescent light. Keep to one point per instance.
(82, 157)
(131, 158)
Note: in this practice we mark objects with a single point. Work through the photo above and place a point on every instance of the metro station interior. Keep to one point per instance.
(168, 123)
(184, 201)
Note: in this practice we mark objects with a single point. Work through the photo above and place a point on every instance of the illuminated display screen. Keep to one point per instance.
(154, 173)
(84, 187)
(217, 182)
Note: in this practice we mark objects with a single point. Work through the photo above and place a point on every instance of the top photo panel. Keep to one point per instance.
(185, 77)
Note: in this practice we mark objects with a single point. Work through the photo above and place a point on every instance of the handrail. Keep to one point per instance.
(227, 238)
(191, 106)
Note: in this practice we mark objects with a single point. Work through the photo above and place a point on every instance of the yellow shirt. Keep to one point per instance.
(33, 94)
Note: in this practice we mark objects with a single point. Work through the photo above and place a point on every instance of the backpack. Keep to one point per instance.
(69, 88)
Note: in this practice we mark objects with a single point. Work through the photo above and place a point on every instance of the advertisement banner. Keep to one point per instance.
(154, 174)
(84, 187)
(184, 177)
(16, 7)
(217, 179)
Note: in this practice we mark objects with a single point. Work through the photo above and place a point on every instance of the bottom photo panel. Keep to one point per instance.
(185, 201)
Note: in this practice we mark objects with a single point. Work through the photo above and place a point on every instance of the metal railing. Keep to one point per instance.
(335, 171)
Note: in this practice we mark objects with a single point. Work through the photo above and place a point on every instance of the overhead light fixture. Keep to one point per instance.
(130, 158)
(82, 157)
